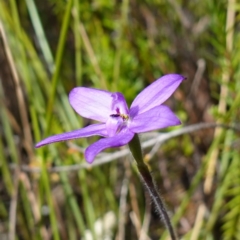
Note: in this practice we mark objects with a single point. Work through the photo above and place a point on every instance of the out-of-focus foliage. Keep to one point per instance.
(48, 47)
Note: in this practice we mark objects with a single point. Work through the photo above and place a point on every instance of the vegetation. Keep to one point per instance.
(48, 47)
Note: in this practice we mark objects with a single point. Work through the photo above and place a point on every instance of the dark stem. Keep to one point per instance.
(150, 185)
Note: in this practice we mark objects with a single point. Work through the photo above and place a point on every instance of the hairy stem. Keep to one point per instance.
(149, 183)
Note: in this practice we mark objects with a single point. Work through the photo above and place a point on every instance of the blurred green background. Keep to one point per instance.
(47, 47)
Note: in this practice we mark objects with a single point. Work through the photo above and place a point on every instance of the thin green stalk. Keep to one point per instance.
(92, 56)
(46, 185)
(3, 211)
(34, 235)
(150, 185)
(8, 133)
(20, 45)
(225, 156)
(35, 127)
(35, 19)
(71, 228)
(78, 55)
(58, 62)
(5, 173)
(7, 130)
(21, 222)
(89, 208)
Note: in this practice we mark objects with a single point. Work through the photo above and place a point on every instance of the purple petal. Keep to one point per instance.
(113, 125)
(91, 130)
(119, 105)
(155, 94)
(121, 139)
(91, 103)
(156, 118)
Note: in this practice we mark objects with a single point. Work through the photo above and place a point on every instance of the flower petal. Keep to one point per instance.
(118, 140)
(91, 103)
(155, 94)
(113, 125)
(91, 130)
(119, 105)
(156, 118)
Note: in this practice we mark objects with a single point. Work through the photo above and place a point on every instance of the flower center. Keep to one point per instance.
(125, 117)
(119, 117)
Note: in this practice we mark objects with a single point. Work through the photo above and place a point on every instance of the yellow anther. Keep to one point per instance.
(124, 116)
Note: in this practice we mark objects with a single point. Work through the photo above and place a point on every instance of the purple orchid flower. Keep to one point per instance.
(118, 124)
